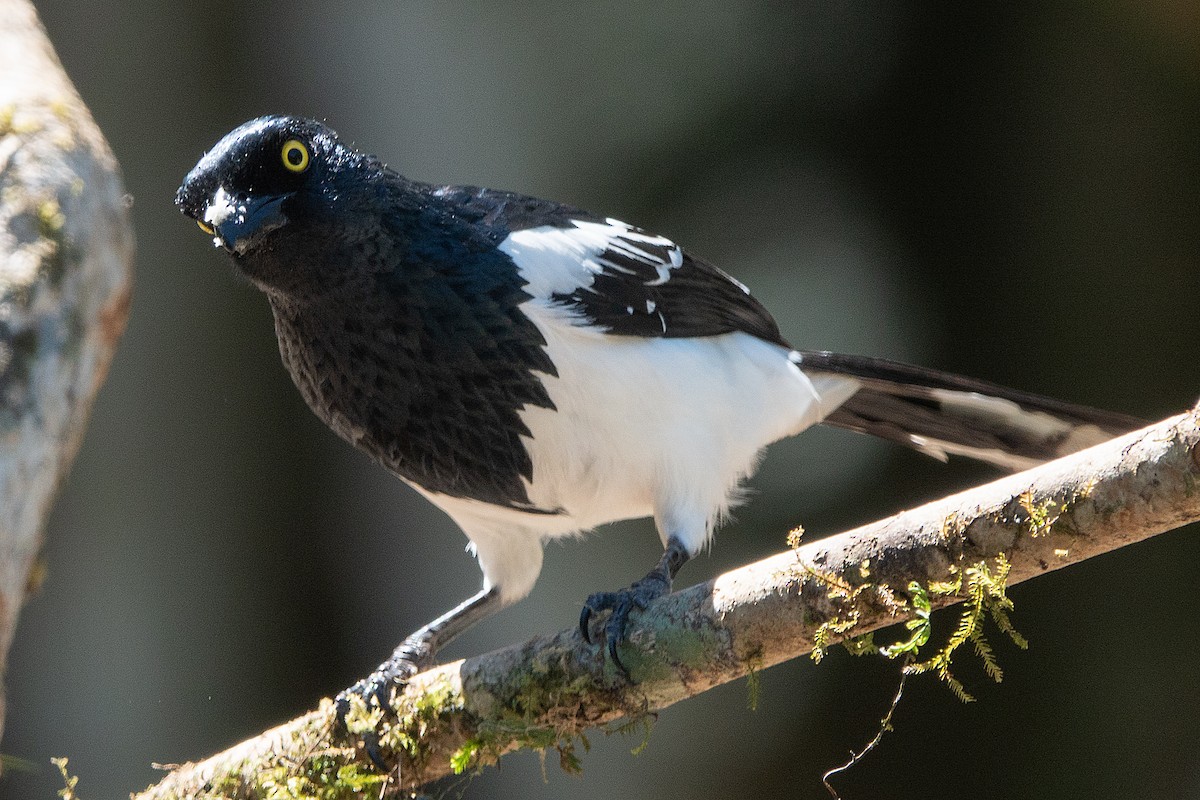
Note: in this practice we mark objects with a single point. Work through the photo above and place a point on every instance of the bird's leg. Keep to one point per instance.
(656, 584)
(415, 654)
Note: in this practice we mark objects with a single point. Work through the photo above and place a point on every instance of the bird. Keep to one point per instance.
(536, 370)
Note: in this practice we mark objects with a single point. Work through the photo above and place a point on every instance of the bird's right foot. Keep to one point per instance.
(621, 604)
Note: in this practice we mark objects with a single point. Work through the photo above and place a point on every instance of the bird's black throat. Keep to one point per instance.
(403, 332)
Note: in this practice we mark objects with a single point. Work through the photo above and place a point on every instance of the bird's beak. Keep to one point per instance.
(235, 222)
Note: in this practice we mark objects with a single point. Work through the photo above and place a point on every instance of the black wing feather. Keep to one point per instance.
(629, 297)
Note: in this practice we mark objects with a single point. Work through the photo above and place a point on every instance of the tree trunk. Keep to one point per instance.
(66, 256)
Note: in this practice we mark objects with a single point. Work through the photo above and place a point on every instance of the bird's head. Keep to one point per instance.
(267, 190)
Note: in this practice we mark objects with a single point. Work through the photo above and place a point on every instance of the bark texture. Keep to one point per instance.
(66, 255)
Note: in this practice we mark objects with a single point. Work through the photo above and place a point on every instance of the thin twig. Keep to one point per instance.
(885, 725)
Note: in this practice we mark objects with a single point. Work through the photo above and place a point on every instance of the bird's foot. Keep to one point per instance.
(362, 707)
(622, 603)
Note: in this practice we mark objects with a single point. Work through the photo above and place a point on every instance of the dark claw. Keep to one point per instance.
(374, 691)
(370, 741)
(598, 602)
(621, 604)
(377, 690)
(614, 631)
(585, 617)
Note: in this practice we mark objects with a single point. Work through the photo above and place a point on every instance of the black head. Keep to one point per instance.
(258, 185)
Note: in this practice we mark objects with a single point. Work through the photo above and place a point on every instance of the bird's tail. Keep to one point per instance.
(941, 414)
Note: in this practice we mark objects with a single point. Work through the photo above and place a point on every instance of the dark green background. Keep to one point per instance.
(1009, 194)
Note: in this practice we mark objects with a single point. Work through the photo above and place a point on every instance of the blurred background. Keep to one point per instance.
(1008, 194)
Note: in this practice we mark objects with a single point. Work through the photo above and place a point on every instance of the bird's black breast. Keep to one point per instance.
(422, 358)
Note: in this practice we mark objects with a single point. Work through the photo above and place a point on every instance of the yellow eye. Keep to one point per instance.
(295, 155)
(204, 226)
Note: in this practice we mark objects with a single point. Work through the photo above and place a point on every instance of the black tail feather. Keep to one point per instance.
(943, 414)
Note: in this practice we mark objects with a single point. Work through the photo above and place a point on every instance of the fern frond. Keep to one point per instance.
(1000, 617)
(919, 667)
(861, 645)
(983, 649)
(956, 686)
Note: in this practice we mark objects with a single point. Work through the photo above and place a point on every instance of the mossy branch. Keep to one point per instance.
(546, 692)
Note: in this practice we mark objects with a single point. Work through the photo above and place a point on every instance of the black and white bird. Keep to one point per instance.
(536, 371)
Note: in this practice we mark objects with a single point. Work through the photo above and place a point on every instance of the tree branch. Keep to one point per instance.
(544, 692)
(66, 253)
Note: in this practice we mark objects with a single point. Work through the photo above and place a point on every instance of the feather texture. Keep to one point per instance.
(942, 414)
(536, 370)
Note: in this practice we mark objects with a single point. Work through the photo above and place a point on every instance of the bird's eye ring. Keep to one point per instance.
(204, 226)
(294, 155)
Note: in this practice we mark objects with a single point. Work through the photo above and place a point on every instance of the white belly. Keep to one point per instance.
(662, 427)
(641, 427)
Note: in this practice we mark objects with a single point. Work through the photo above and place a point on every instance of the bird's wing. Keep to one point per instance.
(618, 279)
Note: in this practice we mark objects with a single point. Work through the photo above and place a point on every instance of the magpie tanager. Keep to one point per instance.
(536, 370)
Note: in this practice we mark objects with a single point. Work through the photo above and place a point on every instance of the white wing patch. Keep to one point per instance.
(559, 261)
(641, 247)
(612, 278)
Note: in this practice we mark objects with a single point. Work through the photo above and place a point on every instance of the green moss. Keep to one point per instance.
(226, 786)
(50, 219)
(1046, 515)
(521, 723)
(983, 590)
(982, 587)
(322, 777)
(919, 626)
(517, 726)
(50, 224)
(416, 720)
(641, 725)
(419, 718)
(861, 645)
(361, 719)
(325, 774)
(753, 682)
(849, 599)
(831, 631)
(69, 781)
(463, 757)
